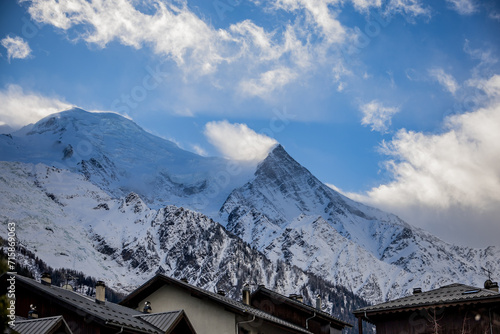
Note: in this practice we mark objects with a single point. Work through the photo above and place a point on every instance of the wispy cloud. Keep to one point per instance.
(238, 141)
(268, 82)
(173, 31)
(247, 58)
(411, 8)
(445, 79)
(199, 150)
(485, 56)
(463, 7)
(377, 115)
(16, 47)
(494, 16)
(319, 15)
(20, 108)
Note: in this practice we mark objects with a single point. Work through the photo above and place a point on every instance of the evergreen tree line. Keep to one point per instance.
(78, 280)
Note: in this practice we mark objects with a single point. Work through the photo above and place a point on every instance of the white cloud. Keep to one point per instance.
(267, 82)
(20, 108)
(445, 79)
(198, 48)
(16, 47)
(366, 4)
(259, 39)
(437, 176)
(377, 115)
(412, 8)
(463, 7)
(238, 142)
(171, 30)
(319, 15)
(247, 58)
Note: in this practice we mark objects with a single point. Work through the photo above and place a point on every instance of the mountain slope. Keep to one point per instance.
(288, 214)
(118, 156)
(70, 223)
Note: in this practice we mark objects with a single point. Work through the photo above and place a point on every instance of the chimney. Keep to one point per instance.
(246, 294)
(318, 302)
(100, 292)
(493, 286)
(417, 290)
(147, 307)
(46, 279)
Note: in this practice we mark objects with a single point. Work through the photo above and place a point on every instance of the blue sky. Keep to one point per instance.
(394, 102)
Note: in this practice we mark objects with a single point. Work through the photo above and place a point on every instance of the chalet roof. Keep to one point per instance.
(232, 305)
(42, 326)
(297, 304)
(109, 314)
(448, 295)
(165, 321)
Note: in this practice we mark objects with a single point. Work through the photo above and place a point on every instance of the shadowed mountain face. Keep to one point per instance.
(97, 190)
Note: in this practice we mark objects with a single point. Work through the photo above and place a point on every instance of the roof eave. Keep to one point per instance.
(362, 313)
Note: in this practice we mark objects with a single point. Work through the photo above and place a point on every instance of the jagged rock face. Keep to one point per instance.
(290, 215)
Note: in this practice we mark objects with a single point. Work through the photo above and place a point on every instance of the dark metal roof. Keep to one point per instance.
(165, 321)
(297, 304)
(40, 326)
(452, 294)
(230, 304)
(110, 314)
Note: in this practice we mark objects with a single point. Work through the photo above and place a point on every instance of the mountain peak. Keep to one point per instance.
(278, 162)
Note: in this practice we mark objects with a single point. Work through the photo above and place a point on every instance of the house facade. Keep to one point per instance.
(451, 309)
(163, 305)
(214, 313)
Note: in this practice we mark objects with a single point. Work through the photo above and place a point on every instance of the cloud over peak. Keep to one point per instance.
(20, 108)
(238, 142)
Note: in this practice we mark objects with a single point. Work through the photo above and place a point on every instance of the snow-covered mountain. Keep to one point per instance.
(119, 156)
(96, 191)
(71, 223)
(288, 214)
